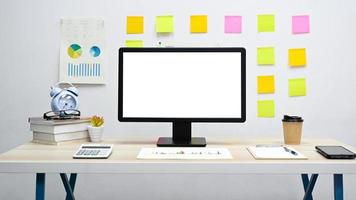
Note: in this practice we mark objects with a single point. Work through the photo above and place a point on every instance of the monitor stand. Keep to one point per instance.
(182, 137)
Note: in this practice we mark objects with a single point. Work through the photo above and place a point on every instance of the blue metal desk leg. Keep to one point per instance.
(338, 187)
(305, 180)
(67, 186)
(40, 186)
(309, 185)
(72, 180)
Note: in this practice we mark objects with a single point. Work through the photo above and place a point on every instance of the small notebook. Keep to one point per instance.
(275, 153)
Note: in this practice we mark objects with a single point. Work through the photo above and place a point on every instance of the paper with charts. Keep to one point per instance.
(82, 50)
(183, 153)
(275, 153)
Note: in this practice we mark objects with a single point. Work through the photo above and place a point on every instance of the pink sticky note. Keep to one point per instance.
(300, 24)
(232, 24)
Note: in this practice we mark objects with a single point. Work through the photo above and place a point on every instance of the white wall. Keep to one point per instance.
(29, 52)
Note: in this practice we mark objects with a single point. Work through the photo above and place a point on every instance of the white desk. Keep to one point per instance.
(42, 159)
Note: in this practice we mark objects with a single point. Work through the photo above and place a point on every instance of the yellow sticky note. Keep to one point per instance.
(265, 23)
(265, 56)
(297, 57)
(134, 24)
(265, 108)
(265, 84)
(198, 23)
(297, 87)
(164, 24)
(133, 43)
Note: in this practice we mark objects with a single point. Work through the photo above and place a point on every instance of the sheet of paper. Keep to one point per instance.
(198, 23)
(134, 25)
(265, 23)
(265, 108)
(233, 24)
(164, 24)
(184, 153)
(134, 43)
(297, 87)
(297, 57)
(265, 56)
(265, 84)
(82, 50)
(275, 153)
(300, 24)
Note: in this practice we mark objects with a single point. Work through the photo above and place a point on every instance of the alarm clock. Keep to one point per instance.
(64, 98)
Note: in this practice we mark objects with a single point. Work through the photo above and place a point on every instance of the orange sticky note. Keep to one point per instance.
(134, 24)
(297, 57)
(198, 23)
(265, 84)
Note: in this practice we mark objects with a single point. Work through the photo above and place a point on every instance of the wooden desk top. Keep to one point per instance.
(35, 158)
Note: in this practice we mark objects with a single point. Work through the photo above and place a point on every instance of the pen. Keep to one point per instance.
(290, 151)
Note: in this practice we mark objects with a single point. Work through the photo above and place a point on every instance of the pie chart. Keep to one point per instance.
(74, 51)
(94, 51)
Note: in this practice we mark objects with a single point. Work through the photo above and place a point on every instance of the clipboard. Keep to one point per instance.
(275, 153)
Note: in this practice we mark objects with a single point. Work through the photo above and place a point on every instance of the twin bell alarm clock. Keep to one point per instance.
(64, 98)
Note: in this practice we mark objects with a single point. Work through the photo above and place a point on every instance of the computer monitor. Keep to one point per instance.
(182, 85)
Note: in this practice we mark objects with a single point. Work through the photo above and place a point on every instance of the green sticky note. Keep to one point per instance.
(265, 108)
(297, 87)
(164, 24)
(134, 43)
(265, 23)
(265, 56)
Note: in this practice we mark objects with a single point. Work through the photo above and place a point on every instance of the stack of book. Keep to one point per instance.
(56, 131)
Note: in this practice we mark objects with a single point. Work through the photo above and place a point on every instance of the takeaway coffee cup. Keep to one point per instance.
(292, 129)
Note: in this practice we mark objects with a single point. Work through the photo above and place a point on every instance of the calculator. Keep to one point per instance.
(94, 151)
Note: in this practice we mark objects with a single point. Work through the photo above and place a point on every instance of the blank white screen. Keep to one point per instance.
(182, 85)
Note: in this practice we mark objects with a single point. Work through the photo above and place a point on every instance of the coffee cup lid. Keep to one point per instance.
(288, 118)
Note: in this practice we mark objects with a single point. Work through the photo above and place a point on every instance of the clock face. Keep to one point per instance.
(66, 102)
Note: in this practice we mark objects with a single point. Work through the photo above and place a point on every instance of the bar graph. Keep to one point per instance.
(84, 70)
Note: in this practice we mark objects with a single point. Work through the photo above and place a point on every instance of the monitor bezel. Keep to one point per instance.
(185, 49)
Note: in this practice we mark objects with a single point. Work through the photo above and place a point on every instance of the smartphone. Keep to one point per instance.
(335, 152)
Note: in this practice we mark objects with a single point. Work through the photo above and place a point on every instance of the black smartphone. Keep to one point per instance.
(335, 152)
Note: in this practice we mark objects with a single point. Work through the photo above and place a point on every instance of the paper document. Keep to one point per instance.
(82, 51)
(184, 153)
(275, 153)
